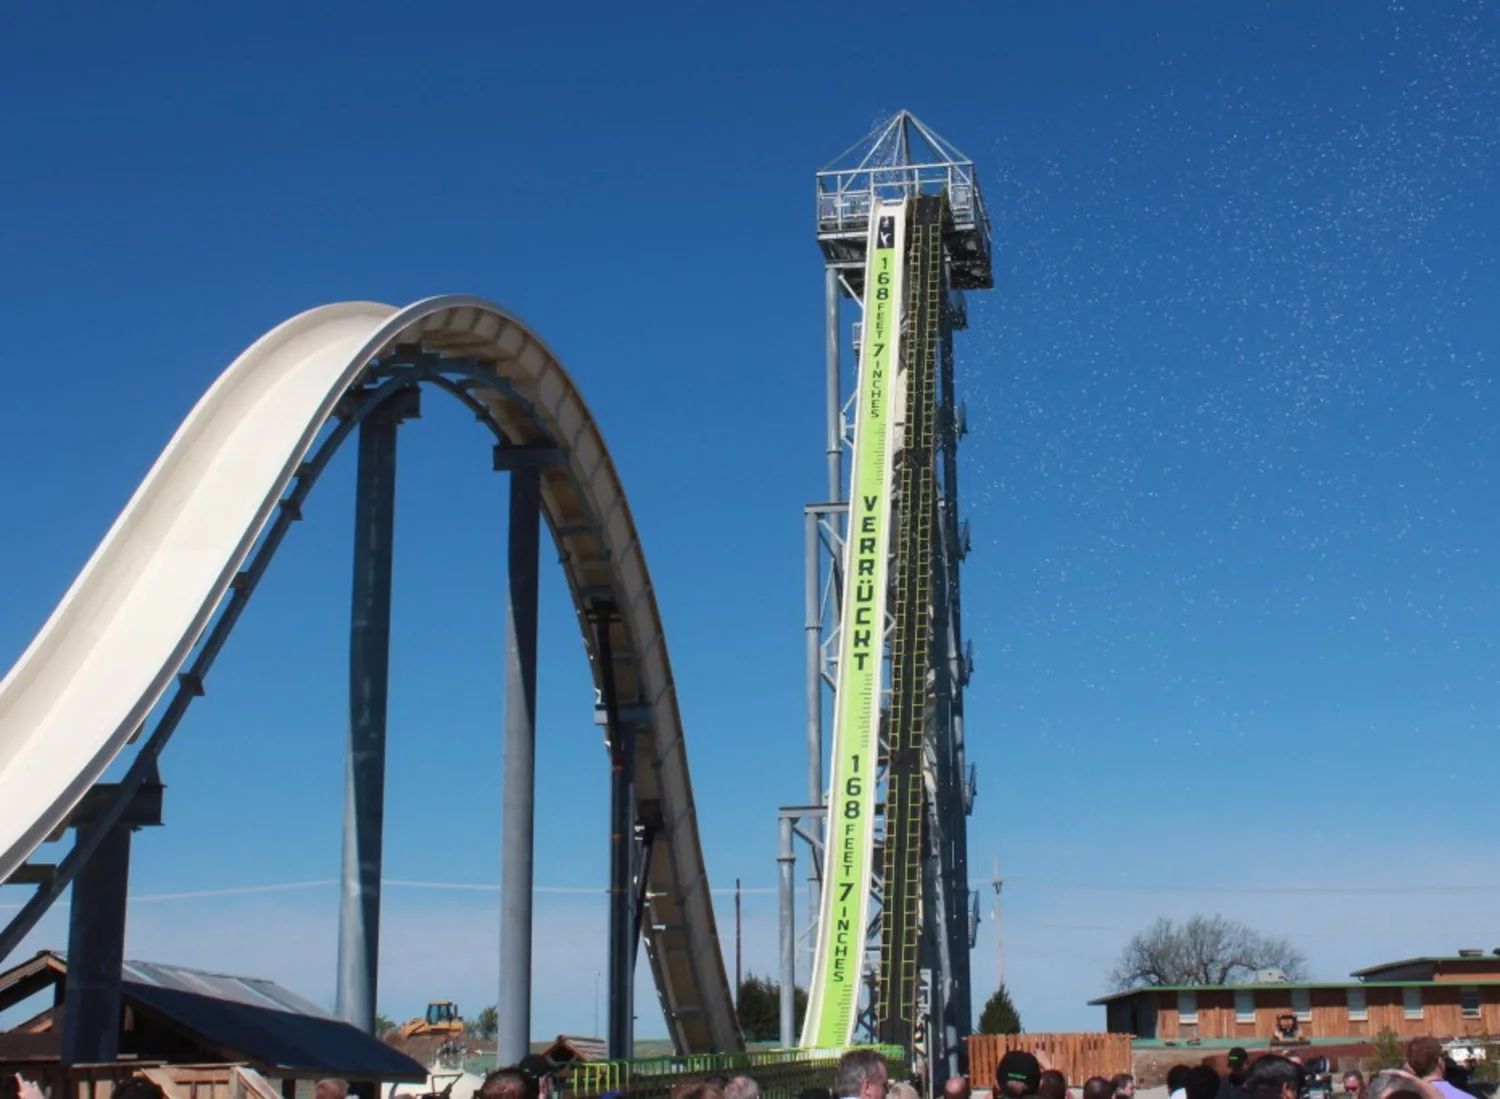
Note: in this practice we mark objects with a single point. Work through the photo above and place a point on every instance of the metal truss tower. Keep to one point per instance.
(902, 158)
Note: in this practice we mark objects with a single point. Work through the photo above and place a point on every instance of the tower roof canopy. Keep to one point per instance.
(902, 158)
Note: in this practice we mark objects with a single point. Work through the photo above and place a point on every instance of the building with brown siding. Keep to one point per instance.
(1441, 996)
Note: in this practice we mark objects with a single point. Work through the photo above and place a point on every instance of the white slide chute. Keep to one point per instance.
(132, 618)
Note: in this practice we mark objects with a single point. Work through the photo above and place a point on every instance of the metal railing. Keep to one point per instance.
(846, 196)
(781, 1073)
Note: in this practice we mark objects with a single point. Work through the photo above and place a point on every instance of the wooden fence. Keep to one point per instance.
(1076, 1056)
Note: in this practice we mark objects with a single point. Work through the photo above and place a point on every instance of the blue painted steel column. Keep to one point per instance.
(96, 952)
(369, 667)
(518, 805)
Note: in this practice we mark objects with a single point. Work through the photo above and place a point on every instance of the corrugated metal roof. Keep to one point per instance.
(251, 991)
(255, 1020)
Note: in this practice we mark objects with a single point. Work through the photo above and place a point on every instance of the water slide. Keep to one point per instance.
(134, 615)
(848, 865)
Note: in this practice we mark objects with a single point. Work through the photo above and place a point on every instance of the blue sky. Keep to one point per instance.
(1230, 471)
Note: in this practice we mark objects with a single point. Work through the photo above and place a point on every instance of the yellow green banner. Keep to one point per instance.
(847, 862)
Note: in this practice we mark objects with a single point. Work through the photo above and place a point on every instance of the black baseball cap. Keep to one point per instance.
(1237, 1057)
(1018, 1066)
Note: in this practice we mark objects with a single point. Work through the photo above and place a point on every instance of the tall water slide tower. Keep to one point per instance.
(903, 207)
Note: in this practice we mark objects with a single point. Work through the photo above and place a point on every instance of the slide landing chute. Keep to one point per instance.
(131, 619)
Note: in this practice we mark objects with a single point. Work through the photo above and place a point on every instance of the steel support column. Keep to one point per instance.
(787, 860)
(832, 334)
(96, 952)
(369, 673)
(622, 938)
(518, 791)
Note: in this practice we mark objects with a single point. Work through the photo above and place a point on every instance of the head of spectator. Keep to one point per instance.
(1177, 1079)
(1124, 1086)
(1097, 1087)
(860, 1075)
(900, 1089)
(716, 1080)
(1424, 1058)
(1202, 1082)
(331, 1089)
(1238, 1058)
(509, 1083)
(741, 1087)
(1354, 1083)
(1394, 1084)
(1052, 1085)
(1019, 1074)
(1274, 1077)
(956, 1087)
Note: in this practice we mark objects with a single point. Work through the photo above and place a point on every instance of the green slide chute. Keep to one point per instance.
(848, 856)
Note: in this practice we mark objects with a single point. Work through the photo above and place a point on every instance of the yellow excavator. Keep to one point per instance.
(442, 1018)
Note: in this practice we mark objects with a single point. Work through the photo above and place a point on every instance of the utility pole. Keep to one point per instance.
(997, 882)
(738, 941)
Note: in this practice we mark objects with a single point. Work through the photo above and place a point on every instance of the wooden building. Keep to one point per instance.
(172, 1016)
(1457, 995)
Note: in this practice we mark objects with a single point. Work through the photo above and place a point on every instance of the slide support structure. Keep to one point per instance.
(786, 860)
(518, 806)
(369, 677)
(623, 899)
(96, 928)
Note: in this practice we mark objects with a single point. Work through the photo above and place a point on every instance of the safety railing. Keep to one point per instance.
(847, 196)
(781, 1073)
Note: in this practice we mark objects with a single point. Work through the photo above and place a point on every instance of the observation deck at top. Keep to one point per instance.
(899, 159)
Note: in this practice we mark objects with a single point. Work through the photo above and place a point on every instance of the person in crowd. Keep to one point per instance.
(1177, 1082)
(1202, 1082)
(509, 1083)
(1354, 1083)
(1274, 1077)
(1397, 1084)
(1018, 1075)
(1052, 1085)
(900, 1089)
(741, 1087)
(331, 1089)
(716, 1080)
(1124, 1086)
(1097, 1087)
(860, 1075)
(956, 1087)
(1425, 1061)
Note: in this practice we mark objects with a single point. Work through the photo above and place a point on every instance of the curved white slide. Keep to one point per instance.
(132, 618)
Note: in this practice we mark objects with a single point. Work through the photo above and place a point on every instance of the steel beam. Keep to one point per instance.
(518, 792)
(787, 864)
(369, 677)
(835, 445)
(622, 939)
(96, 953)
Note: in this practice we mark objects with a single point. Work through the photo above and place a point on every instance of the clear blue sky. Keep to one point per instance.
(1231, 469)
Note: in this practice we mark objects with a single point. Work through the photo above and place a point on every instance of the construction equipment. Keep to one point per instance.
(442, 1018)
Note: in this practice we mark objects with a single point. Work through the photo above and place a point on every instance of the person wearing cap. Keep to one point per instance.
(1018, 1075)
(1232, 1085)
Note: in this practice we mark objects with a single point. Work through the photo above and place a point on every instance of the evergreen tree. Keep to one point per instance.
(1000, 1015)
(759, 1008)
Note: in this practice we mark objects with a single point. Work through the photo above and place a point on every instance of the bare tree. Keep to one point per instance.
(1206, 950)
